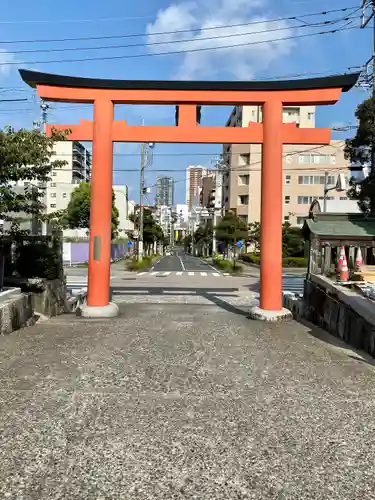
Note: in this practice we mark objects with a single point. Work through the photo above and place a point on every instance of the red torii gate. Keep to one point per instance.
(103, 131)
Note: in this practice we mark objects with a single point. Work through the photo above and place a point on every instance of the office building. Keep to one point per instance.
(306, 168)
(78, 163)
(194, 175)
(164, 191)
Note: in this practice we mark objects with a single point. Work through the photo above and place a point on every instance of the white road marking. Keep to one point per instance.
(215, 274)
(226, 274)
(144, 272)
(182, 264)
(191, 274)
(203, 274)
(154, 273)
(180, 273)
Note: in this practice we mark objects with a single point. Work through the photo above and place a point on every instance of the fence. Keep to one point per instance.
(78, 252)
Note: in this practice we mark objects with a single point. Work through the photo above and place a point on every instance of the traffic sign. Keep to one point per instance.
(239, 244)
(130, 244)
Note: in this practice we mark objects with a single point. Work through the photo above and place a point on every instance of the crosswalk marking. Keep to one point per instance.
(294, 284)
(162, 274)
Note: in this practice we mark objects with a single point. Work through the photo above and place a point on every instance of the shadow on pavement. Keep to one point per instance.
(215, 295)
(324, 336)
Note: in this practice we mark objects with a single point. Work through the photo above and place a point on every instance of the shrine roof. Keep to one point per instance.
(335, 226)
(34, 78)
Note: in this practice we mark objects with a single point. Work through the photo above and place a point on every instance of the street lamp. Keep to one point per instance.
(340, 186)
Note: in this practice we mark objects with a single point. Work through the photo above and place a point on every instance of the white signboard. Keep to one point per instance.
(67, 253)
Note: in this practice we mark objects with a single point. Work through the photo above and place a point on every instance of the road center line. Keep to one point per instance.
(182, 264)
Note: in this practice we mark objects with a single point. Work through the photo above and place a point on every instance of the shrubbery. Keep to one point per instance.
(140, 264)
(227, 266)
(38, 259)
(287, 261)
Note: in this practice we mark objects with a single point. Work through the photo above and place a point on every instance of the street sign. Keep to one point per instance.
(130, 244)
(239, 244)
(135, 233)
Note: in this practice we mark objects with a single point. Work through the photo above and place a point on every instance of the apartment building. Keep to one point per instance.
(305, 168)
(194, 175)
(78, 163)
(164, 191)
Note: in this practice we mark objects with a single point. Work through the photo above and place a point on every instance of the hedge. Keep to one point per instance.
(227, 265)
(287, 261)
(140, 264)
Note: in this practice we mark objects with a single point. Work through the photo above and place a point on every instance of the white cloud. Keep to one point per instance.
(5, 57)
(234, 62)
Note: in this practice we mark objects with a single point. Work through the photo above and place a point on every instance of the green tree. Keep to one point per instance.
(358, 151)
(152, 232)
(203, 237)
(77, 215)
(231, 229)
(25, 155)
(293, 242)
(253, 237)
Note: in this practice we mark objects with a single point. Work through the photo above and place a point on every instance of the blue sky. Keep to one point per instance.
(331, 53)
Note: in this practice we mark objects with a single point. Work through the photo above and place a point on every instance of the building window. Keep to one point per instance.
(343, 198)
(53, 184)
(286, 218)
(243, 218)
(307, 200)
(310, 116)
(288, 159)
(316, 179)
(301, 220)
(64, 195)
(288, 179)
(243, 199)
(53, 195)
(286, 199)
(54, 174)
(245, 159)
(243, 180)
(53, 205)
(315, 159)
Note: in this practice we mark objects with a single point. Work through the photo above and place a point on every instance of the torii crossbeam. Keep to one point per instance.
(103, 131)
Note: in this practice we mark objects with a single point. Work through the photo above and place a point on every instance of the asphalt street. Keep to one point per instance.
(181, 262)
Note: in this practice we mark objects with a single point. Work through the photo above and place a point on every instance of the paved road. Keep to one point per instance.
(181, 262)
(185, 401)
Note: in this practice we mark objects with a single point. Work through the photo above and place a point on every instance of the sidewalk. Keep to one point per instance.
(183, 401)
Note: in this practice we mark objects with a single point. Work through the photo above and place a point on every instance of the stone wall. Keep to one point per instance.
(341, 312)
(45, 298)
(16, 312)
(51, 300)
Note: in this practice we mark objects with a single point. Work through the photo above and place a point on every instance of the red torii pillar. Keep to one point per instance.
(272, 133)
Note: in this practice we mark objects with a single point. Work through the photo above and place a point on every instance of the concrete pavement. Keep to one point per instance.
(177, 401)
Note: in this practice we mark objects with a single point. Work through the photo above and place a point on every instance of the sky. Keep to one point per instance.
(221, 40)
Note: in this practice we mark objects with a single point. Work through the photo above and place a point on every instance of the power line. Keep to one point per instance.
(169, 42)
(192, 30)
(176, 52)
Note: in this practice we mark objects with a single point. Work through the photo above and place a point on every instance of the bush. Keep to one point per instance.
(287, 261)
(295, 262)
(227, 266)
(37, 260)
(251, 257)
(139, 264)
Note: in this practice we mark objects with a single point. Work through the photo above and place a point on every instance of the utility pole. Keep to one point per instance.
(141, 200)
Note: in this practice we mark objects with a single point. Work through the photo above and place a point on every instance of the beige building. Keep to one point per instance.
(78, 163)
(305, 168)
(194, 175)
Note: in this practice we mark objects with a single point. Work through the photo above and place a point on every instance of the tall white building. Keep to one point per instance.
(78, 163)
